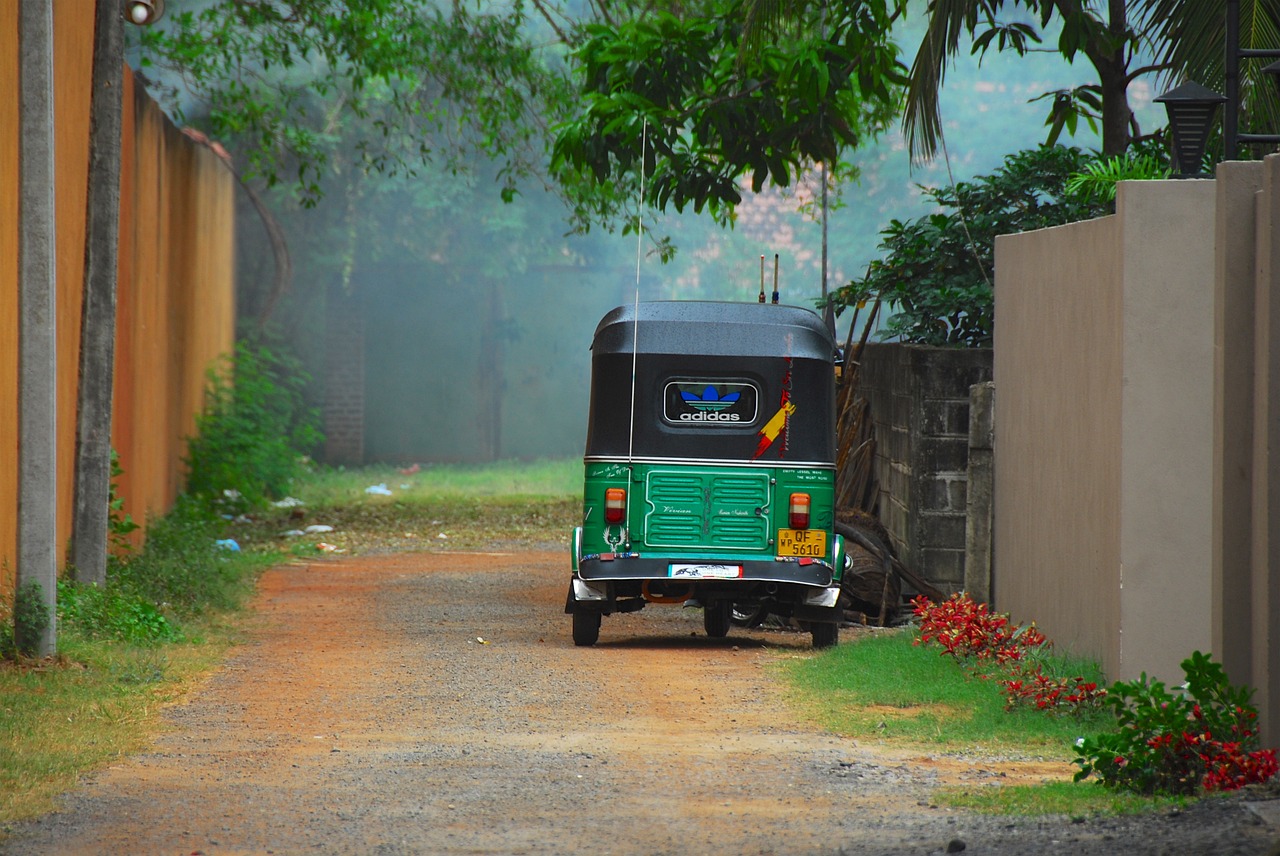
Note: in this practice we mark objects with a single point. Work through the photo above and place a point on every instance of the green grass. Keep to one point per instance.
(503, 505)
(97, 701)
(165, 617)
(886, 686)
(330, 488)
(887, 689)
(1073, 799)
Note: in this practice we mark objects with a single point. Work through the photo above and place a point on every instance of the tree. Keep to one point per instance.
(1108, 40)
(1190, 41)
(426, 84)
(938, 269)
(680, 99)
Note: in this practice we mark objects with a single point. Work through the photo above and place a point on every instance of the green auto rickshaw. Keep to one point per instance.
(710, 467)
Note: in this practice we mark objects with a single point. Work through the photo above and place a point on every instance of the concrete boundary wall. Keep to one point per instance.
(1137, 381)
(1057, 434)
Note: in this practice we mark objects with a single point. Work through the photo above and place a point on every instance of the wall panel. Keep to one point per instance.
(175, 301)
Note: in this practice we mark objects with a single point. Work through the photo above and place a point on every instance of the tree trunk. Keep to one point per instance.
(1116, 114)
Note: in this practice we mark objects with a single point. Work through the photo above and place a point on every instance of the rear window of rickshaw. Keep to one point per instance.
(712, 403)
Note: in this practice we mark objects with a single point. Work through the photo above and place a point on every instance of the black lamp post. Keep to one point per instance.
(1192, 109)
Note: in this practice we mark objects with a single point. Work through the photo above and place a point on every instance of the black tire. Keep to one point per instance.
(586, 627)
(825, 635)
(715, 618)
(748, 616)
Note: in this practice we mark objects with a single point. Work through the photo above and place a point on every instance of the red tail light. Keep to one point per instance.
(615, 505)
(799, 511)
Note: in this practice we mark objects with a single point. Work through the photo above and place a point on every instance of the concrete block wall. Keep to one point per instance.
(919, 399)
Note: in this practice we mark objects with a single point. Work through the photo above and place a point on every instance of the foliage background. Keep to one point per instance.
(480, 313)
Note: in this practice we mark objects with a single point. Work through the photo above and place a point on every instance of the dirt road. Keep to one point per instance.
(433, 703)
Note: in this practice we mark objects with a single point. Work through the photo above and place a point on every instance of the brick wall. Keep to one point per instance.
(919, 399)
(343, 412)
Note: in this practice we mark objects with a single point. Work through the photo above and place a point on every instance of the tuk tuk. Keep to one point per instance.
(710, 467)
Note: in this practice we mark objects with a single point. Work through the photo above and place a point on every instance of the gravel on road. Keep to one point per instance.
(434, 703)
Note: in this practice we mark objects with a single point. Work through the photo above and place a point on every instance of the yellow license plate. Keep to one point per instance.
(802, 542)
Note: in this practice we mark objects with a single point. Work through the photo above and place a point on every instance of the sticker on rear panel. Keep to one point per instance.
(709, 404)
(693, 571)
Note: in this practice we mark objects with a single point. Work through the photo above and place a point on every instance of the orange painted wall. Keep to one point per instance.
(176, 311)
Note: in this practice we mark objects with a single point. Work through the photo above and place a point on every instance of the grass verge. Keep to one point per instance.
(885, 688)
(96, 702)
(436, 507)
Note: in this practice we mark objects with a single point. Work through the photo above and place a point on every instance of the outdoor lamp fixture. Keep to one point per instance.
(143, 12)
(1192, 109)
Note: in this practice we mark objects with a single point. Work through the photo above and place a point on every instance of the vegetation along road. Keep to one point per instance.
(434, 703)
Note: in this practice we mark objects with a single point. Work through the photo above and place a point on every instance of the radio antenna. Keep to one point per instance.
(775, 282)
(635, 312)
(762, 277)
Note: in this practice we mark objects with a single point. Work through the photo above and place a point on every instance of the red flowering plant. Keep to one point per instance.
(1203, 737)
(994, 647)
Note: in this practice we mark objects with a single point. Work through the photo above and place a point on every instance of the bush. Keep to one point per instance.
(109, 613)
(1203, 737)
(181, 565)
(937, 271)
(253, 433)
(1018, 657)
(30, 617)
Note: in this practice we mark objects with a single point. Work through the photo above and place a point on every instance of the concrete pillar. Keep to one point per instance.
(1264, 588)
(1236, 260)
(980, 493)
(37, 342)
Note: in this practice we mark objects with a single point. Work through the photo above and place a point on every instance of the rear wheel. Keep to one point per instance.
(825, 635)
(586, 627)
(715, 618)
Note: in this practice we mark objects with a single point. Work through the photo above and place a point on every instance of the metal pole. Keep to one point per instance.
(1231, 115)
(37, 349)
(828, 315)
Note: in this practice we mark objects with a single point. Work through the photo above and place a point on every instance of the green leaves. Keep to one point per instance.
(1068, 107)
(252, 433)
(1097, 179)
(401, 83)
(1202, 737)
(936, 272)
(677, 97)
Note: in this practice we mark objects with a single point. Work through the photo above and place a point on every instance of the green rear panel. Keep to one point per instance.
(706, 508)
(701, 510)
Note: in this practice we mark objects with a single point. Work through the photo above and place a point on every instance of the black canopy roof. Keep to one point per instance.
(715, 329)
(709, 378)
